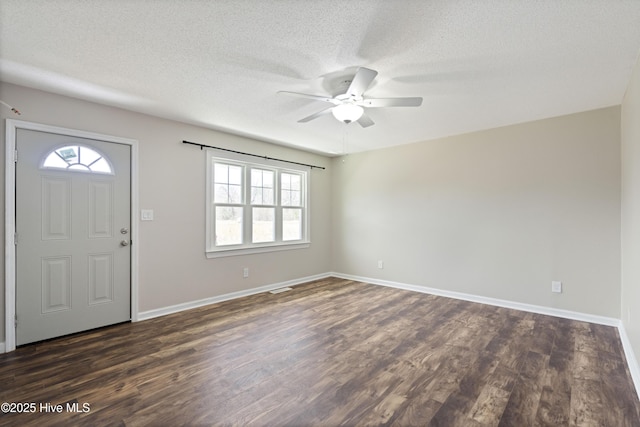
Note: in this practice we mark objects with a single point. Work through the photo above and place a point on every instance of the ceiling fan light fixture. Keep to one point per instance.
(347, 113)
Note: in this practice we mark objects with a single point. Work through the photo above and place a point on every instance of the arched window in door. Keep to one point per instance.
(78, 158)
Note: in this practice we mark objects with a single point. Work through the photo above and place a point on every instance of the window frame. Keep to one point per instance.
(247, 246)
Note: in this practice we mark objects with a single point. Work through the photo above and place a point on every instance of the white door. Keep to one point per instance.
(73, 254)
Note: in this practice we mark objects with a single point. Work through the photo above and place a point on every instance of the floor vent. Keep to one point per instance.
(277, 291)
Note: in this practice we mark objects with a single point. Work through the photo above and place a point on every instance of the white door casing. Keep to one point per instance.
(104, 295)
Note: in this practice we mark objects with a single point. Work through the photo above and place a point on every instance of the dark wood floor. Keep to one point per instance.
(328, 353)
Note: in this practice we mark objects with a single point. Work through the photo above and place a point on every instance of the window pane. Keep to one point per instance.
(295, 182)
(86, 156)
(235, 194)
(264, 225)
(228, 225)
(295, 198)
(267, 195)
(221, 183)
(291, 224)
(285, 198)
(221, 173)
(70, 154)
(262, 187)
(285, 181)
(290, 181)
(256, 178)
(291, 198)
(235, 175)
(256, 196)
(224, 193)
(221, 193)
(55, 161)
(100, 165)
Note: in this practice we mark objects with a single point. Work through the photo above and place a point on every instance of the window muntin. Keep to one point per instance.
(77, 158)
(254, 206)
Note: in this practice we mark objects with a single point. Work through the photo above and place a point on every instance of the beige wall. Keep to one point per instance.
(173, 267)
(499, 213)
(631, 212)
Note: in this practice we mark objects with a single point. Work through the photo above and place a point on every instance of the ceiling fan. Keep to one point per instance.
(349, 106)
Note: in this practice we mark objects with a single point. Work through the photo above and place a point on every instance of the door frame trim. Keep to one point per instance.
(12, 126)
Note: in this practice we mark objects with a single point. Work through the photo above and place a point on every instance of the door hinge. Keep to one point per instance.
(15, 156)
(15, 321)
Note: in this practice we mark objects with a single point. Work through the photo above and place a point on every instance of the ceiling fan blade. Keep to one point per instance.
(315, 115)
(365, 121)
(391, 102)
(361, 81)
(307, 96)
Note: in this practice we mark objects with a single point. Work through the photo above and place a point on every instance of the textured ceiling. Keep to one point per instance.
(220, 64)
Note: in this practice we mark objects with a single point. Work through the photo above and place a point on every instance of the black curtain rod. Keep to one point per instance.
(249, 154)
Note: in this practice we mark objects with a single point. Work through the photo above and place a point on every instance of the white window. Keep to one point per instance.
(255, 206)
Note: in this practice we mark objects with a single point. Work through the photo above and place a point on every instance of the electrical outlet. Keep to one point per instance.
(380, 264)
(556, 287)
(245, 272)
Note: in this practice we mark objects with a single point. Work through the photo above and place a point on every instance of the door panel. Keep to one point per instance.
(56, 284)
(101, 210)
(100, 278)
(73, 261)
(56, 208)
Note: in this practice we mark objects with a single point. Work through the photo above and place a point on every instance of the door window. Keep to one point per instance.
(77, 158)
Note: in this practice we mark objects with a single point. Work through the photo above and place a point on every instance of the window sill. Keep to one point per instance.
(257, 250)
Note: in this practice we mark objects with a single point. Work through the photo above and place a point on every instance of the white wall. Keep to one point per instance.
(631, 212)
(499, 213)
(173, 267)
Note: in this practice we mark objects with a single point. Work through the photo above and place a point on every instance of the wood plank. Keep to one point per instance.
(330, 352)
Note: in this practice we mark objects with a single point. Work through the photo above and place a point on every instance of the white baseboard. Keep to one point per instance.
(632, 361)
(2, 347)
(591, 318)
(150, 314)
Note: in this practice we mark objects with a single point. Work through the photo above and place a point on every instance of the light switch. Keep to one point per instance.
(146, 215)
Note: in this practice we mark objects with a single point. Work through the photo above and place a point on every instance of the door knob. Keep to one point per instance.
(124, 243)
(124, 230)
